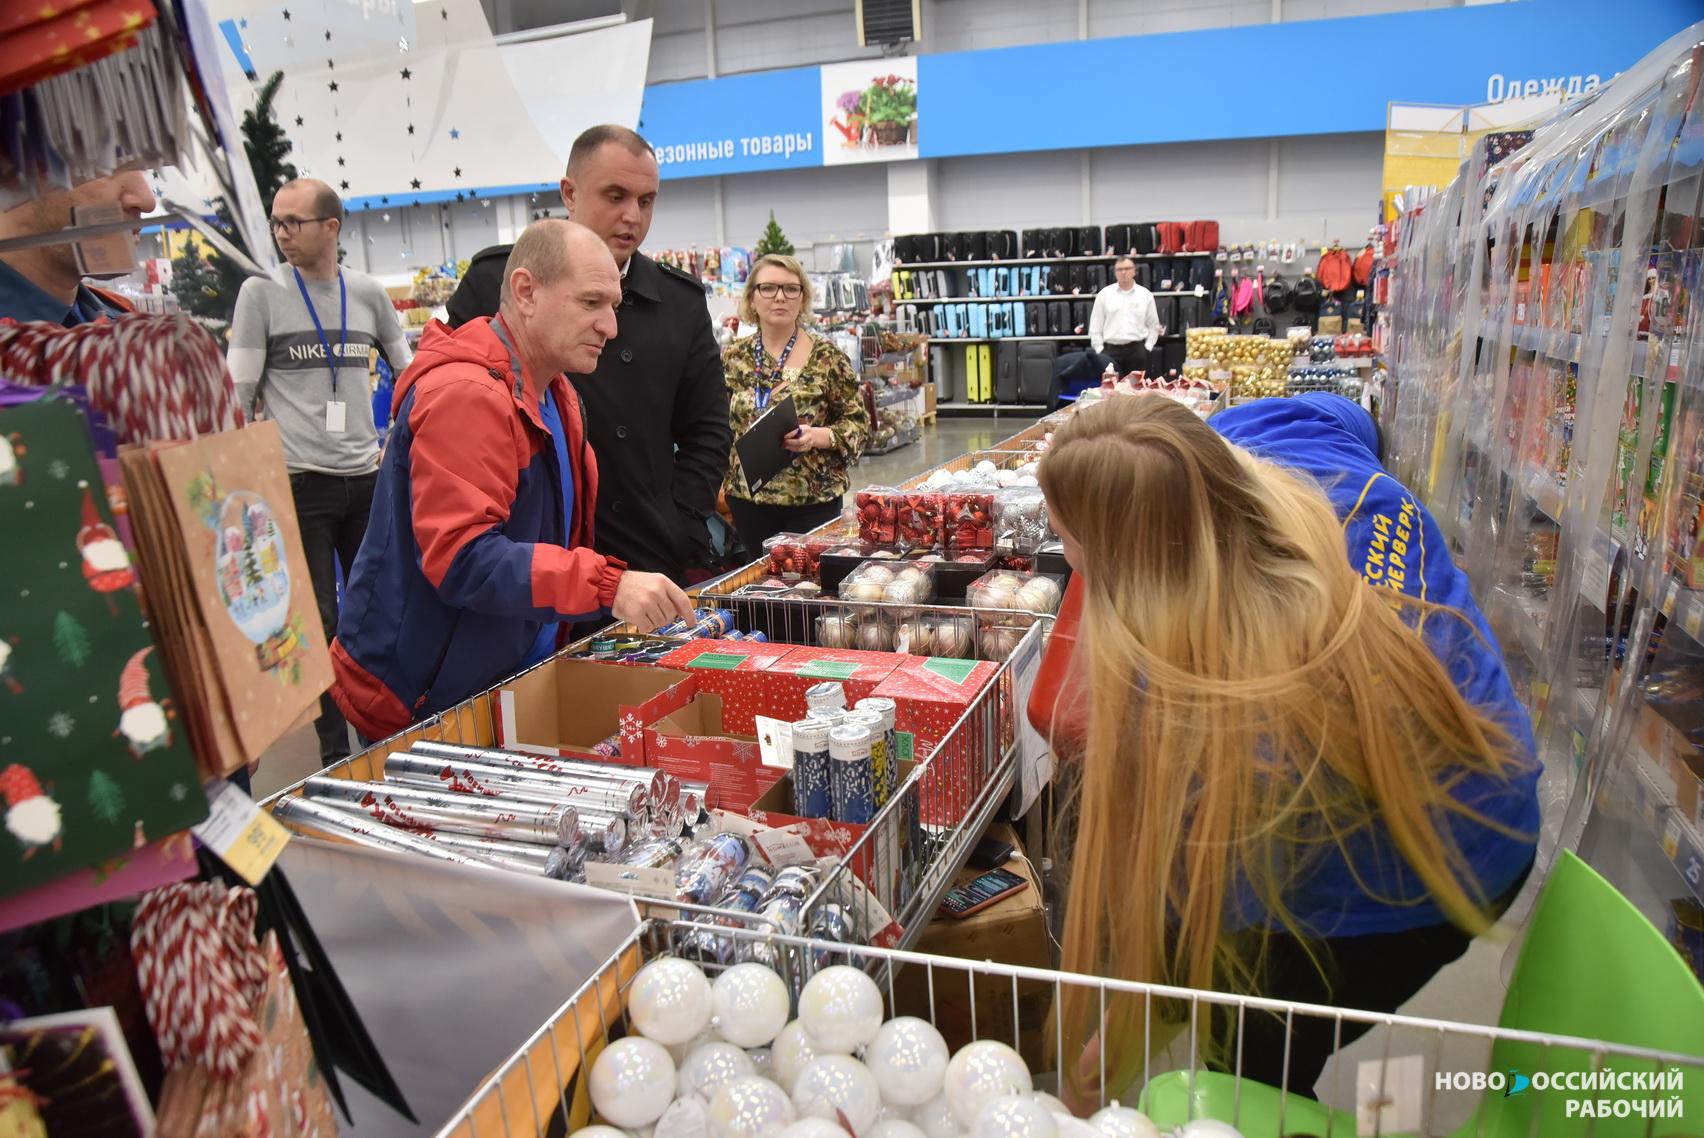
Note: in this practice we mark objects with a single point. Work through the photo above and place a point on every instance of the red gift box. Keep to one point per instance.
(689, 740)
(930, 695)
(737, 671)
(918, 518)
(858, 672)
(969, 520)
(794, 557)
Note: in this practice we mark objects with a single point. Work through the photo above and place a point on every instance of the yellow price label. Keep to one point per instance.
(245, 837)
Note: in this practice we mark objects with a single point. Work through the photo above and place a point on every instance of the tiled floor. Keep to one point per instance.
(1470, 990)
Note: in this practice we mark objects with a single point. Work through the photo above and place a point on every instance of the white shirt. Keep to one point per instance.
(1122, 317)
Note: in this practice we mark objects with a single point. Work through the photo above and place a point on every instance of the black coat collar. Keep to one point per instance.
(643, 277)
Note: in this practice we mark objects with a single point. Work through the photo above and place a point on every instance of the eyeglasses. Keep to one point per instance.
(790, 291)
(291, 225)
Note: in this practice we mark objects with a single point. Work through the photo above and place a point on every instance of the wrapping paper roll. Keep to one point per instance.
(430, 812)
(464, 776)
(652, 780)
(555, 862)
(326, 820)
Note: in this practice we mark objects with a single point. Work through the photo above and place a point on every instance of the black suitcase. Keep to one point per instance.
(1035, 370)
(1173, 351)
(1002, 244)
(1035, 242)
(1191, 312)
(904, 250)
(1081, 310)
(1201, 272)
(1035, 318)
(1146, 237)
(1166, 307)
(1006, 373)
(1094, 277)
(1118, 238)
(1061, 242)
(1165, 274)
(930, 247)
(1145, 274)
(1089, 241)
(1076, 281)
(1058, 318)
(975, 245)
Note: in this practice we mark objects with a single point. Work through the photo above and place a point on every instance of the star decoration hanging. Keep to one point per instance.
(286, 15)
(243, 23)
(333, 85)
(340, 160)
(340, 136)
(416, 185)
(384, 201)
(331, 65)
(407, 74)
(410, 128)
(458, 171)
(459, 197)
(344, 184)
(443, 13)
(298, 120)
(454, 133)
(328, 35)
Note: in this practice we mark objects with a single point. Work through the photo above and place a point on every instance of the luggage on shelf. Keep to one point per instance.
(1019, 321)
(1173, 237)
(1164, 274)
(1033, 243)
(1006, 373)
(1192, 312)
(1035, 317)
(971, 362)
(1146, 237)
(1094, 278)
(1201, 272)
(1173, 351)
(1145, 274)
(984, 374)
(1120, 239)
(975, 245)
(1166, 306)
(1035, 370)
(1075, 280)
(1058, 318)
(1202, 236)
(1089, 241)
(1081, 310)
(1002, 244)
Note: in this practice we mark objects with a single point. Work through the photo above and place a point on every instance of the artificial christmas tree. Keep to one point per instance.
(207, 288)
(773, 240)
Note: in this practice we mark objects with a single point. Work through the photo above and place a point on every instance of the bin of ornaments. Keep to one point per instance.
(1007, 604)
(904, 583)
(724, 1059)
(918, 518)
(793, 557)
(923, 633)
(878, 514)
(867, 629)
(1020, 525)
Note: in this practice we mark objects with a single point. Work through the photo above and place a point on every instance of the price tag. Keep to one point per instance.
(1388, 1095)
(1692, 616)
(109, 255)
(728, 822)
(640, 880)
(784, 847)
(244, 837)
(774, 742)
(1035, 758)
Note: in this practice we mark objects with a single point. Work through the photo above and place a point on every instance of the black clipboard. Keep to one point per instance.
(762, 456)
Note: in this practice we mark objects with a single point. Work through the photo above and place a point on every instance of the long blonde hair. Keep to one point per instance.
(1252, 703)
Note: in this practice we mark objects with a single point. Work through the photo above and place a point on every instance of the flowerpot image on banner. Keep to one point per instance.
(869, 111)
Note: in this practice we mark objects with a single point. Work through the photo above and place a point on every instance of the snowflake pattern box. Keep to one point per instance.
(93, 760)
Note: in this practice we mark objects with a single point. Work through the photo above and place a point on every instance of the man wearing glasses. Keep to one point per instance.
(302, 341)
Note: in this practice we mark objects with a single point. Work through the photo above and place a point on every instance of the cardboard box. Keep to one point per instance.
(688, 739)
(858, 672)
(1012, 931)
(568, 705)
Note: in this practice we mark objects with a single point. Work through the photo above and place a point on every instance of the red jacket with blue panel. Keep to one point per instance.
(467, 553)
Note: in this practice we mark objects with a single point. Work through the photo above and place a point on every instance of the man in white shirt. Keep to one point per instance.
(1125, 324)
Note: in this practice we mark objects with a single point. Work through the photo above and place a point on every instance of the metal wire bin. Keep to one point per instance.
(895, 872)
(541, 1088)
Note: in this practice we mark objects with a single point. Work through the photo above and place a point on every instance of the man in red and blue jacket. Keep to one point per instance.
(480, 543)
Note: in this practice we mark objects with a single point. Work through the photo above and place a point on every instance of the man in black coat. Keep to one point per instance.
(657, 406)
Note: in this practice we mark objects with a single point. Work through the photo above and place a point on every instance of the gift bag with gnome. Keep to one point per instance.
(239, 1063)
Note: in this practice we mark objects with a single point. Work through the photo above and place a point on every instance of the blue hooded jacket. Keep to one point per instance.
(1395, 543)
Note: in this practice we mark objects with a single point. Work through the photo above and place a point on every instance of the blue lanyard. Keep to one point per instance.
(333, 362)
(761, 396)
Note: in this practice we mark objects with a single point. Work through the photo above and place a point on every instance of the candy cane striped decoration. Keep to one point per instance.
(157, 377)
(201, 972)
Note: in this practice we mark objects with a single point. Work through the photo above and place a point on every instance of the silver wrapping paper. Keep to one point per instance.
(652, 780)
(463, 776)
(431, 812)
(549, 861)
(327, 820)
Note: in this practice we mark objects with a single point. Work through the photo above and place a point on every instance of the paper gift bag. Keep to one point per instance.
(93, 762)
(216, 526)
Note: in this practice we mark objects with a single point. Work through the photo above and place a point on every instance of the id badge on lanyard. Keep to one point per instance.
(336, 411)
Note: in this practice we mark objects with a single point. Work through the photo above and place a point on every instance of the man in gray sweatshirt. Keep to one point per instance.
(302, 341)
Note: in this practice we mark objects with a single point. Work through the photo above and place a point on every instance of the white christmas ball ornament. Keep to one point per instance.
(1121, 1122)
(982, 1072)
(686, 1117)
(833, 1085)
(1070, 1126)
(750, 1003)
(750, 1108)
(1053, 1105)
(632, 1082)
(935, 1119)
(1208, 1128)
(670, 1000)
(841, 1009)
(599, 1131)
(679, 1051)
(1014, 1116)
(711, 1065)
(814, 1128)
(790, 1053)
(908, 1057)
(762, 1062)
(895, 1128)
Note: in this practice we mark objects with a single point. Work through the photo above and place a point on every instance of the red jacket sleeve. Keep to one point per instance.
(465, 460)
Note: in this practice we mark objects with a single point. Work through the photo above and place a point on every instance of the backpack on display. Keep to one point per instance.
(1203, 236)
(1058, 318)
(1094, 278)
(1263, 326)
(1334, 271)
(1089, 241)
(1081, 311)
(1035, 371)
(1306, 295)
(1146, 237)
(1362, 270)
(1277, 294)
(1005, 373)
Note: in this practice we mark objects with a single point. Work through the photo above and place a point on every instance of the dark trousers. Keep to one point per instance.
(331, 511)
(757, 523)
(1128, 357)
(1376, 973)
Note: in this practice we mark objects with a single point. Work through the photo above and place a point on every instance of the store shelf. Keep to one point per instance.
(1042, 260)
(1000, 339)
(1689, 613)
(1678, 838)
(1048, 296)
(1524, 616)
(1541, 489)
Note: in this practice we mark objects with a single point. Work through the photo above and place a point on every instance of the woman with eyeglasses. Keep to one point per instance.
(783, 359)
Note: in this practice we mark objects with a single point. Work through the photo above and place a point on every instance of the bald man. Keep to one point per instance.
(480, 547)
(44, 283)
(302, 340)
